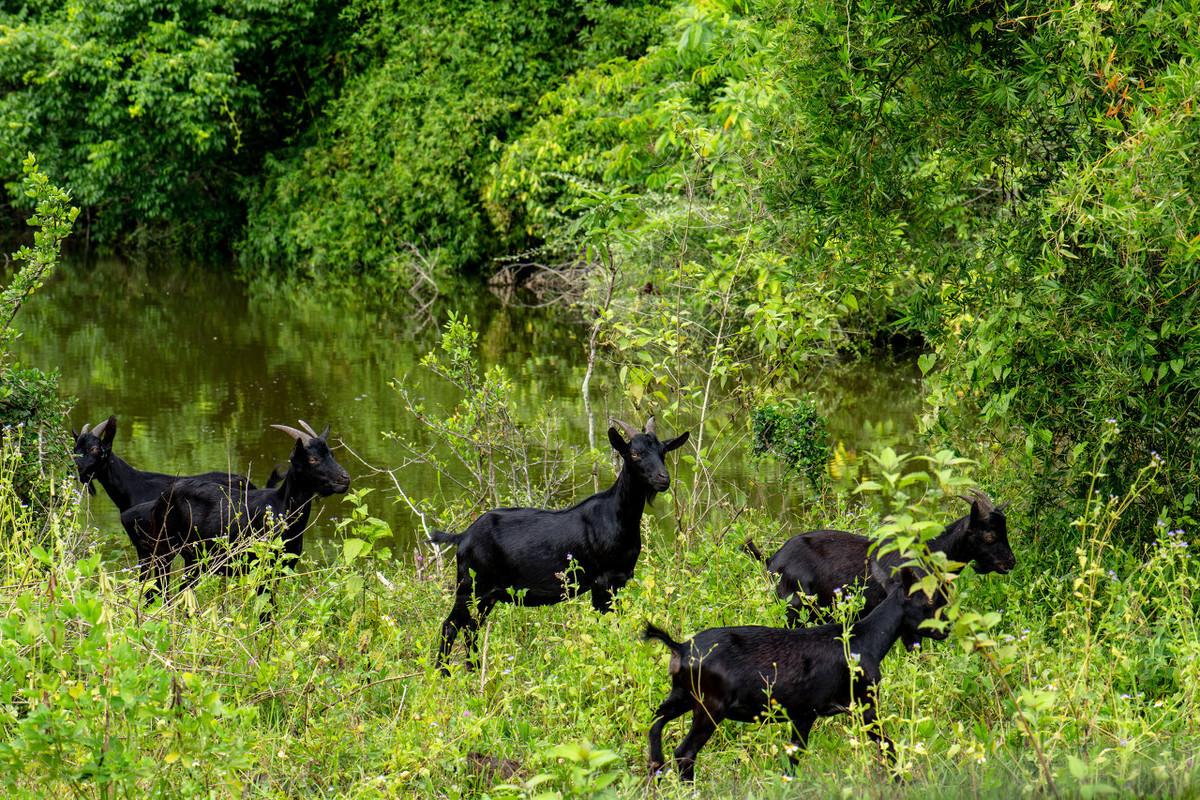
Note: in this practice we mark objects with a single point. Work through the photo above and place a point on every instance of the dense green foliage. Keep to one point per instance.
(795, 432)
(152, 114)
(729, 190)
(1083, 684)
(396, 163)
(31, 410)
(1012, 187)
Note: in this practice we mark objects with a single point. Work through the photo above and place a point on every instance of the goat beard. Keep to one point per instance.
(650, 495)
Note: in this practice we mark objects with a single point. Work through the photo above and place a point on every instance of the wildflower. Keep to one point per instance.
(786, 778)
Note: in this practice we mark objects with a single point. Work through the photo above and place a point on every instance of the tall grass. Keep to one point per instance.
(1068, 677)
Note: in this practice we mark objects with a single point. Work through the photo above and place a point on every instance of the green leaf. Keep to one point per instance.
(352, 548)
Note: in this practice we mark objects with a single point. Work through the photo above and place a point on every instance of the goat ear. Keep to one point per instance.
(678, 441)
(619, 444)
(324, 434)
(74, 435)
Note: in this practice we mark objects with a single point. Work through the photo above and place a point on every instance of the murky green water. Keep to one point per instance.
(196, 366)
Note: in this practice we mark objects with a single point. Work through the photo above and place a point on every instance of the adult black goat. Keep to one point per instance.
(191, 516)
(739, 673)
(820, 563)
(539, 557)
(128, 487)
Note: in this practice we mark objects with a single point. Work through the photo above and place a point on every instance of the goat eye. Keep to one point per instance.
(313, 459)
(635, 457)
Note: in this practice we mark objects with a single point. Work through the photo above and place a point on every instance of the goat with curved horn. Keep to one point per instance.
(309, 428)
(196, 516)
(980, 497)
(131, 489)
(649, 426)
(300, 436)
(625, 427)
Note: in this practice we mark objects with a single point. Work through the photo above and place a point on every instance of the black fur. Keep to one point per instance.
(192, 516)
(128, 487)
(819, 563)
(550, 556)
(741, 673)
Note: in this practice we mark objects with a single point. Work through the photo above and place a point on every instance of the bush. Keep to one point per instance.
(399, 160)
(796, 433)
(31, 412)
(152, 114)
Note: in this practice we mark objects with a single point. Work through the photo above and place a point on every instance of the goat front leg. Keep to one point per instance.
(604, 589)
(602, 599)
(871, 721)
(678, 703)
(801, 726)
(470, 637)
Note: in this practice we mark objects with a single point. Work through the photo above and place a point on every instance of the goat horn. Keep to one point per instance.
(86, 428)
(985, 502)
(303, 437)
(629, 430)
(99, 429)
(649, 426)
(308, 428)
(324, 434)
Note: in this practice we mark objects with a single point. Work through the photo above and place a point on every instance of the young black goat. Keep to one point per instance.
(739, 673)
(128, 487)
(191, 516)
(544, 557)
(819, 563)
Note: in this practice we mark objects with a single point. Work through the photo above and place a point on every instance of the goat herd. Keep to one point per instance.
(522, 555)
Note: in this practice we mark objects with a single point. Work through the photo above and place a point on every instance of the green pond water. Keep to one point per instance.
(196, 366)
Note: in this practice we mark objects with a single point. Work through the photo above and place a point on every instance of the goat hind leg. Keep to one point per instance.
(704, 725)
(676, 705)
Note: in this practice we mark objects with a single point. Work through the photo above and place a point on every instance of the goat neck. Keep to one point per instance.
(950, 541)
(873, 636)
(119, 480)
(296, 496)
(631, 495)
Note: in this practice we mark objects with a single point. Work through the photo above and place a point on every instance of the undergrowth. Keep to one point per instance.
(1068, 677)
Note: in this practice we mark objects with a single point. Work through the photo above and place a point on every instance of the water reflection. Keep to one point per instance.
(196, 367)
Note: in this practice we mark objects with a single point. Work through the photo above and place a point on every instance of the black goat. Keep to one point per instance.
(538, 557)
(128, 487)
(740, 673)
(191, 516)
(820, 563)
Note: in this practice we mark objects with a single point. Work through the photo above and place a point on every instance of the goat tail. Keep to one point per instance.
(442, 537)
(752, 549)
(652, 631)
